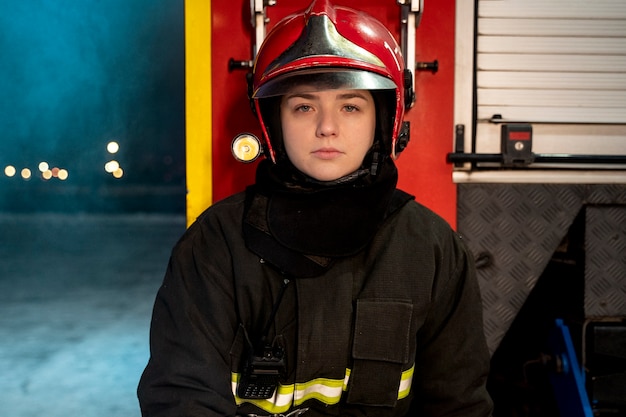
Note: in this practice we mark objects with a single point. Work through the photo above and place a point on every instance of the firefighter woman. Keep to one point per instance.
(322, 290)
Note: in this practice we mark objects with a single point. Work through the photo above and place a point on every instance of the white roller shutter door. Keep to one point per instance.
(560, 65)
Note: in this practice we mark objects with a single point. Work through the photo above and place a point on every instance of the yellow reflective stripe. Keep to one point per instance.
(324, 390)
(346, 379)
(405, 383)
(327, 391)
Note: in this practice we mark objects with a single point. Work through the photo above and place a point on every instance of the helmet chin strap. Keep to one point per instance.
(370, 167)
(342, 180)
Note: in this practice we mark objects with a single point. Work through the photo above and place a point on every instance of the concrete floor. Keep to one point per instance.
(76, 294)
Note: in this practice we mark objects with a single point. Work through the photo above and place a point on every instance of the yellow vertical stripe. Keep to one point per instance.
(198, 107)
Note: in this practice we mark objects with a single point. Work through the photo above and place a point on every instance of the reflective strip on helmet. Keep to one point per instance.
(325, 390)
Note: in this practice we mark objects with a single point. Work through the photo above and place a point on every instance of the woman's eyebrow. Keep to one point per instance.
(313, 96)
(352, 94)
(306, 96)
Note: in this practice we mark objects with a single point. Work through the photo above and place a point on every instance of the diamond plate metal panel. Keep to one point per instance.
(519, 226)
(605, 261)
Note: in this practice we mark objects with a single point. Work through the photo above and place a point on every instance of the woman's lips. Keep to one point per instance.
(327, 153)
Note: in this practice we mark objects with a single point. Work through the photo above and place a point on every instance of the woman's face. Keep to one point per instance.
(327, 133)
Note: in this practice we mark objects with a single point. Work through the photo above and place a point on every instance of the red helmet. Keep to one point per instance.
(333, 46)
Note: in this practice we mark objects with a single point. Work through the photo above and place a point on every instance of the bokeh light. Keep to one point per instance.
(56, 172)
(10, 170)
(118, 173)
(43, 166)
(26, 173)
(113, 147)
(111, 166)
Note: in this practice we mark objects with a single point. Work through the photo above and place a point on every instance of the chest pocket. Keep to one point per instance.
(380, 351)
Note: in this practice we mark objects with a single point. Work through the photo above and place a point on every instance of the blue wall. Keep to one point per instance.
(76, 74)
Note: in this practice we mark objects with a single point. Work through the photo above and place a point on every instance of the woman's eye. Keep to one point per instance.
(349, 108)
(303, 108)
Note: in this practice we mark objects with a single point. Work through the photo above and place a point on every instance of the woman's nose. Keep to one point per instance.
(326, 124)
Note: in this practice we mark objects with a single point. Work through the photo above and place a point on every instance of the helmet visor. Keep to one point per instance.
(324, 79)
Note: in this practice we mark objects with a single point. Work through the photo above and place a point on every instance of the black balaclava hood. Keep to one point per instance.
(300, 224)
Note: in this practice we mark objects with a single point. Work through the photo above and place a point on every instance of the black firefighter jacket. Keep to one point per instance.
(391, 331)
